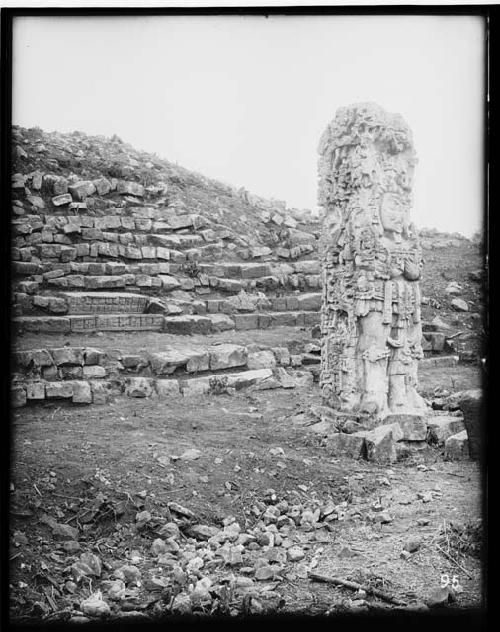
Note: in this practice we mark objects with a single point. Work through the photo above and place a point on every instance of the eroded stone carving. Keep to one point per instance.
(371, 257)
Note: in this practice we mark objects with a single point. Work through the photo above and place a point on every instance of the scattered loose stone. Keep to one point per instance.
(412, 544)
(95, 606)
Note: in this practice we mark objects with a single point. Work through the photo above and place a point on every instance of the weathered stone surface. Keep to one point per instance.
(472, 405)
(58, 390)
(186, 325)
(261, 360)
(195, 386)
(380, 442)
(43, 324)
(61, 200)
(17, 396)
(81, 190)
(35, 390)
(94, 372)
(126, 187)
(413, 427)
(100, 394)
(139, 387)
(102, 302)
(227, 356)
(371, 260)
(342, 444)
(67, 355)
(456, 447)
(459, 305)
(167, 388)
(34, 357)
(246, 321)
(221, 322)
(166, 362)
(248, 378)
(82, 393)
(443, 426)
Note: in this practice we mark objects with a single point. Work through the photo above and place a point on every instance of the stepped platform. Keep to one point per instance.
(185, 324)
(86, 375)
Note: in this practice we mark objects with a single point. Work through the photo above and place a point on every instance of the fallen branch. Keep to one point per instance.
(355, 586)
(454, 562)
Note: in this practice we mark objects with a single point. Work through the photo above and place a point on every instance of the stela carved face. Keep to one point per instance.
(392, 214)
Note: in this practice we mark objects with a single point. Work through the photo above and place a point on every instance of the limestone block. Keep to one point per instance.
(139, 387)
(104, 282)
(186, 325)
(299, 237)
(81, 190)
(35, 201)
(59, 390)
(26, 268)
(195, 386)
(67, 355)
(472, 405)
(61, 200)
(35, 390)
(221, 322)
(380, 442)
(308, 302)
(82, 250)
(17, 396)
(167, 388)
(248, 378)
(342, 444)
(127, 187)
(456, 447)
(283, 319)
(43, 324)
(72, 228)
(169, 282)
(307, 267)
(459, 305)
(227, 356)
(162, 253)
(442, 427)
(92, 356)
(100, 394)
(94, 372)
(49, 250)
(82, 393)
(167, 361)
(282, 355)
(413, 427)
(70, 372)
(68, 253)
(186, 284)
(34, 357)
(261, 360)
(102, 186)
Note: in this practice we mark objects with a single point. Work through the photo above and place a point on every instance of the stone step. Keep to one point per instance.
(95, 391)
(104, 302)
(76, 362)
(144, 219)
(307, 301)
(180, 325)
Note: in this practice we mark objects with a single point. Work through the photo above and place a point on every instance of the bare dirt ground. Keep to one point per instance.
(94, 468)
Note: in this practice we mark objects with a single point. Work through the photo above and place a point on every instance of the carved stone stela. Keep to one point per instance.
(371, 265)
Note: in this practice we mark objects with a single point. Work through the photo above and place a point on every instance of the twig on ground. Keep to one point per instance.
(455, 562)
(38, 491)
(355, 586)
(55, 411)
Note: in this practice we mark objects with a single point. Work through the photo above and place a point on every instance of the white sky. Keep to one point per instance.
(245, 99)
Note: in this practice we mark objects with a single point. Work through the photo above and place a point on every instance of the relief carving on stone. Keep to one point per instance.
(372, 261)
